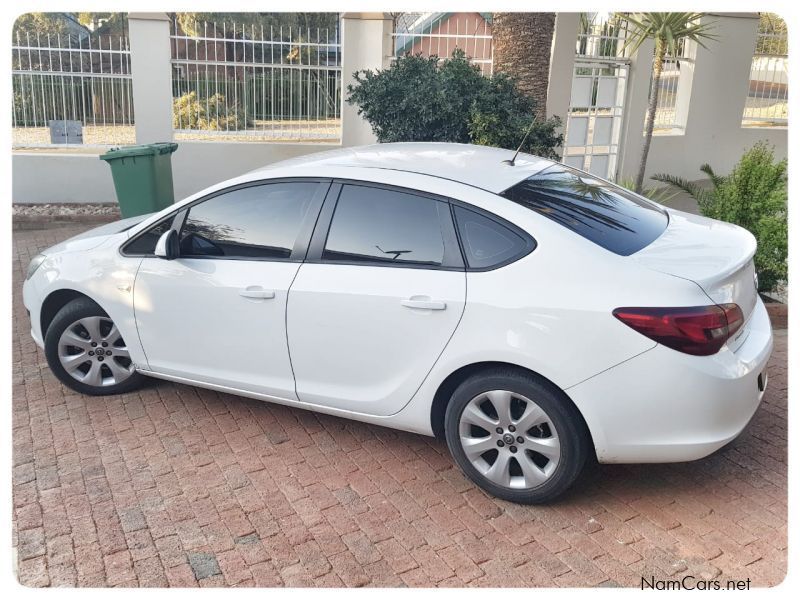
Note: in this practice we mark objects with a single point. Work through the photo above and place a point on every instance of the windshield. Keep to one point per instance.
(603, 213)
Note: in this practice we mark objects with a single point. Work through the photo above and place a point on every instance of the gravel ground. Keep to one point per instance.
(65, 210)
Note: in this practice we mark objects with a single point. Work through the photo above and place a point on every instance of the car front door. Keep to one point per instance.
(377, 300)
(217, 313)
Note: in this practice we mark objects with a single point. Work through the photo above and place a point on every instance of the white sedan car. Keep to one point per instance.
(531, 314)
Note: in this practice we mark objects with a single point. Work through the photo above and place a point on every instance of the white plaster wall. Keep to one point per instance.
(39, 177)
(714, 132)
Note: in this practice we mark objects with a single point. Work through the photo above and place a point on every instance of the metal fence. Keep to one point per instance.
(767, 103)
(58, 79)
(597, 96)
(667, 117)
(246, 83)
(439, 34)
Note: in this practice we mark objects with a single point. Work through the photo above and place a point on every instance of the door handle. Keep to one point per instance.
(423, 303)
(257, 292)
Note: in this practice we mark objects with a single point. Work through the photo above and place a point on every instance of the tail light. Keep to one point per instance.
(697, 330)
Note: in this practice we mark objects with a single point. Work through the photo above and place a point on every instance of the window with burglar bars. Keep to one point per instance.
(58, 79)
(439, 34)
(767, 103)
(235, 82)
(667, 119)
(601, 37)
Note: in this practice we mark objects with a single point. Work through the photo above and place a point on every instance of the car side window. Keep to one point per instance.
(258, 222)
(145, 242)
(385, 227)
(486, 242)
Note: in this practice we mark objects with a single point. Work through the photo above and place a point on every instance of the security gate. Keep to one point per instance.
(594, 120)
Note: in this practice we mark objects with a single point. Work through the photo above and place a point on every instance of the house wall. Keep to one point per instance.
(462, 24)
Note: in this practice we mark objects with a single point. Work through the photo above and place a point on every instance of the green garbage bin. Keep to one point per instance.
(142, 177)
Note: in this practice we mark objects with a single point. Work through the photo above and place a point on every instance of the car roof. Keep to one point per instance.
(478, 166)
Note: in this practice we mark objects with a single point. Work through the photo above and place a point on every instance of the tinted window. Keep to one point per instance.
(605, 214)
(486, 242)
(145, 243)
(254, 222)
(383, 226)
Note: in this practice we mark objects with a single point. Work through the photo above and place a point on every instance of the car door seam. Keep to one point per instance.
(286, 330)
(439, 356)
(135, 318)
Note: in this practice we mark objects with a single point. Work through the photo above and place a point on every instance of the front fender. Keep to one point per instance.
(101, 274)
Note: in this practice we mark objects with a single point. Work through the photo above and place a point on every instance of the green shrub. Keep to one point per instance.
(190, 113)
(423, 99)
(755, 197)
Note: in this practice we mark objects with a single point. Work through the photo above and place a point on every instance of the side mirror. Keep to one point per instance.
(167, 245)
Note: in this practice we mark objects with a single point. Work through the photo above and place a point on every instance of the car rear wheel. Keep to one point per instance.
(515, 436)
(87, 353)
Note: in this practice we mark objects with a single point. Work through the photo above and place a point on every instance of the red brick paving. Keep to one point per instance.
(175, 483)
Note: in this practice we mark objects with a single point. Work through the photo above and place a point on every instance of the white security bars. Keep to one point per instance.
(767, 103)
(60, 81)
(667, 119)
(439, 34)
(237, 83)
(597, 99)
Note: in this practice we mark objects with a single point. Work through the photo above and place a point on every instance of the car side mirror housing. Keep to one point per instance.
(167, 245)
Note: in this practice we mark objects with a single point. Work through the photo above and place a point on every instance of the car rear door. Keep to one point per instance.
(377, 300)
(217, 314)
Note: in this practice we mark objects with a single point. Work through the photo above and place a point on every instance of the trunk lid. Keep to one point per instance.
(716, 256)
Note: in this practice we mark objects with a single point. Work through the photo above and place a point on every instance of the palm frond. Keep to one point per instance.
(671, 28)
(717, 180)
(695, 191)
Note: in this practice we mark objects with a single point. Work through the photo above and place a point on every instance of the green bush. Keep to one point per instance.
(423, 99)
(755, 197)
(190, 113)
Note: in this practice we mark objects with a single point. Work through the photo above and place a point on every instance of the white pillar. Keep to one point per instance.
(722, 74)
(366, 43)
(562, 64)
(151, 72)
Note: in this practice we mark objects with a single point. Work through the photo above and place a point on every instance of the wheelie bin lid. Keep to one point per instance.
(141, 150)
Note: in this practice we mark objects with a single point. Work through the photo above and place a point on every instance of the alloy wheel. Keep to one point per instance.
(92, 351)
(509, 439)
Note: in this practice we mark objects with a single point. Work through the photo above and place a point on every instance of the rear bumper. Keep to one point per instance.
(665, 406)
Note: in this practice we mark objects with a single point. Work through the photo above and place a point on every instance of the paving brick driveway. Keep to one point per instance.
(180, 486)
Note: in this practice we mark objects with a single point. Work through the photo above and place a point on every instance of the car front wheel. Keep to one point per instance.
(515, 436)
(87, 353)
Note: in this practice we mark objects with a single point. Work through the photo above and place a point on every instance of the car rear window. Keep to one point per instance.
(606, 214)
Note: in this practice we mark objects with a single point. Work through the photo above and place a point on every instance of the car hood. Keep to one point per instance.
(92, 238)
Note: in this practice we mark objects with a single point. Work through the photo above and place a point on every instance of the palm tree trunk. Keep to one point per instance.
(522, 43)
(658, 65)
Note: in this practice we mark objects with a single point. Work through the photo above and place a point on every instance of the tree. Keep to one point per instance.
(425, 99)
(40, 25)
(668, 30)
(522, 44)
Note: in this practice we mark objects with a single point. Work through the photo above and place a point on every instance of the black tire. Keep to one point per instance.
(75, 310)
(570, 428)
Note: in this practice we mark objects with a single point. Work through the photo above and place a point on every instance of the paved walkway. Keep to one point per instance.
(180, 486)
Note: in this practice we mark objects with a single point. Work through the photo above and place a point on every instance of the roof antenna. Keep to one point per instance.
(521, 144)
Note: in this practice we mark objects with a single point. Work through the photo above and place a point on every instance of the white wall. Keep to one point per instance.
(39, 178)
(719, 87)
